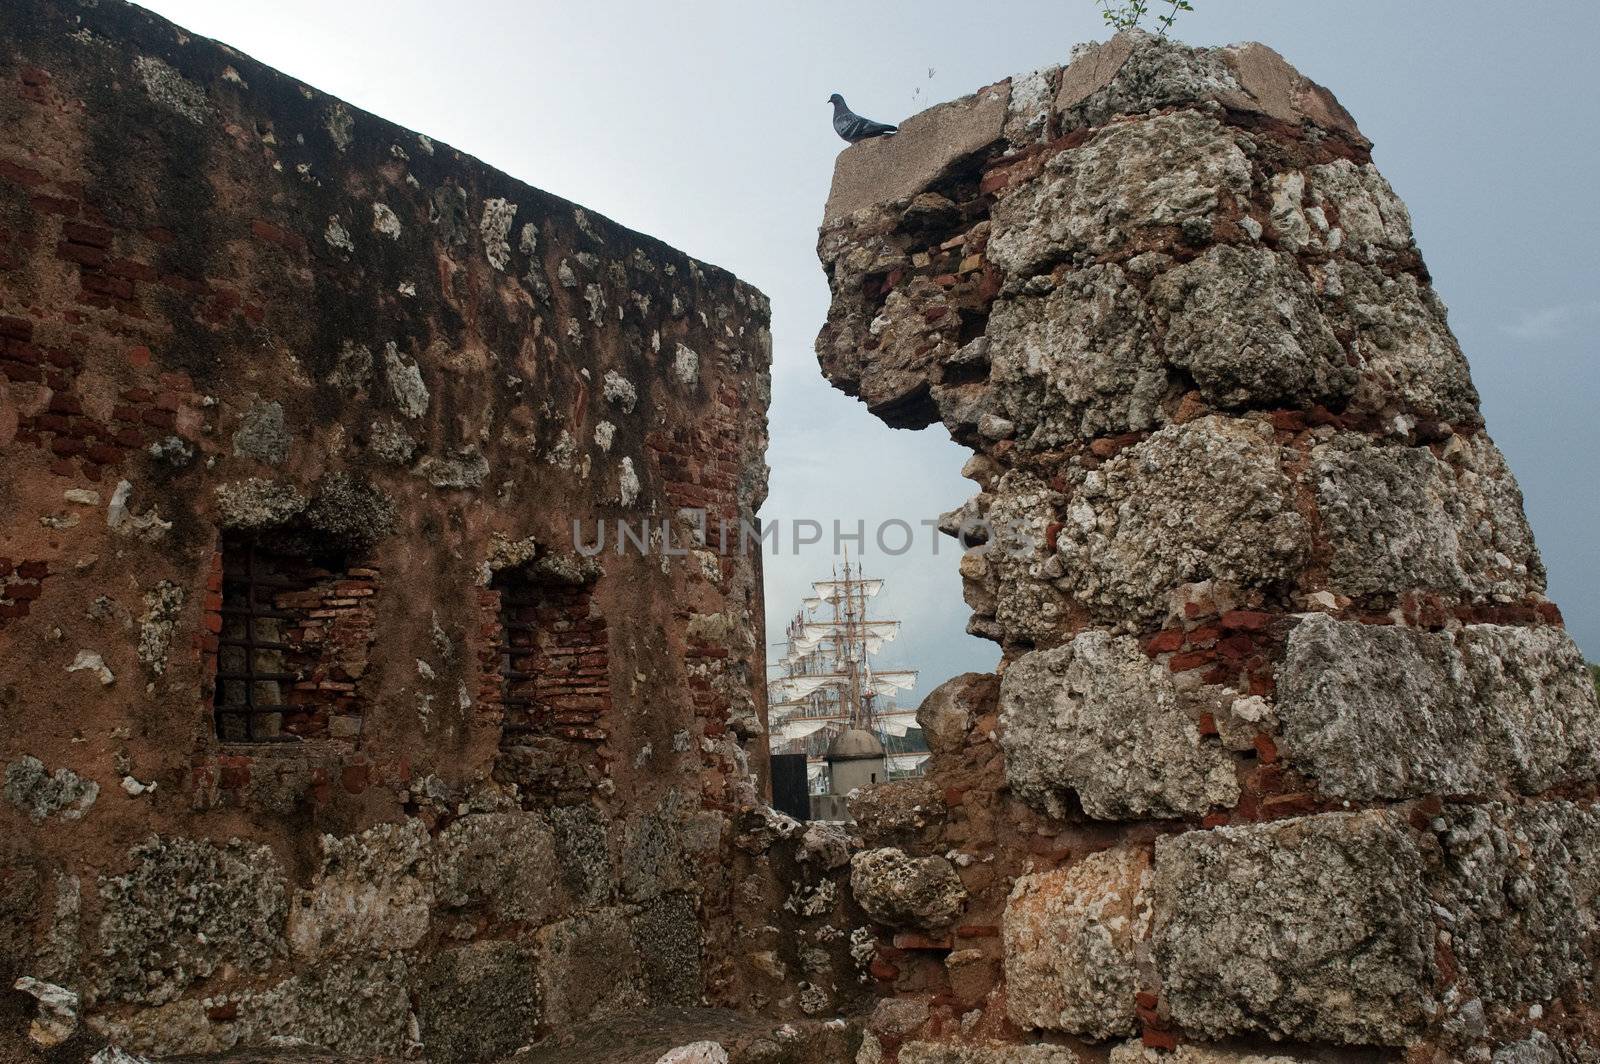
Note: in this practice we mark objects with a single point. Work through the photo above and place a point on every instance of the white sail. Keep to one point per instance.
(828, 590)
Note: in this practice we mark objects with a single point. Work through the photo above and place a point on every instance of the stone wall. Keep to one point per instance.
(243, 323)
(1287, 745)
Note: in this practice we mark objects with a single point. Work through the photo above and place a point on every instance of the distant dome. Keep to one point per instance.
(854, 744)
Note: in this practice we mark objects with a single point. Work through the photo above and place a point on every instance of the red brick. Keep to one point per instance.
(20, 351)
(118, 287)
(1246, 620)
(82, 254)
(54, 205)
(1285, 804)
(1266, 749)
(1193, 660)
(20, 175)
(977, 931)
(93, 235)
(1157, 1039)
(16, 328)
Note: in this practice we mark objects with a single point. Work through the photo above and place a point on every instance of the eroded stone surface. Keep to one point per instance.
(1080, 361)
(1400, 517)
(587, 967)
(373, 894)
(1521, 885)
(947, 714)
(1381, 712)
(1139, 1053)
(1203, 501)
(355, 1006)
(1245, 325)
(932, 1053)
(1315, 928)
(503, 862)
(904, 891)
(1098, 718)
(479, 1002)
(42, 794)
(1172, 170)
(1409, 359)
(1070, 944)
(185, 908)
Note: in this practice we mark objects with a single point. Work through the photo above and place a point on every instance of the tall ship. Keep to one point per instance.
(826, 683)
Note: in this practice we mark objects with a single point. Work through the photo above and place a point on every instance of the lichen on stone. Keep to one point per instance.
(185, 908)
(43, 794)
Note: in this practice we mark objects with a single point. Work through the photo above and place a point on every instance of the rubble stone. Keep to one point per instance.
(1097, 718)
(1173, 170)
(932, 1053)
(373, 894)
(1206, 500)
(1399, 517)
(478, 1002)
(1071, 939)
(1381, 712)
(1244, 324)
(1521, 887)
(504, 863)
(358, 1006)
(904, 891)
(587, 967)
(185, 908)
(1080, 361)
(1314, 928)
(42, 794)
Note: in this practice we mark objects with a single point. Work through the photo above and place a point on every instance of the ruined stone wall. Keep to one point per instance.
(238, 316)
(1287, 746)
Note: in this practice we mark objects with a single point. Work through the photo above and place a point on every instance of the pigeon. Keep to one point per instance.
(851, 126)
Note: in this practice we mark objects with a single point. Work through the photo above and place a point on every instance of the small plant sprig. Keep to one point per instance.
(1127, 14)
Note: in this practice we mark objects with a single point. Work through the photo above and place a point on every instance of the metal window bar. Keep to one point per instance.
(259, 587)
(518, 652)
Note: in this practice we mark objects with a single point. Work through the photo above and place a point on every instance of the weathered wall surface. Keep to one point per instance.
(1287, 743)
(233, 309)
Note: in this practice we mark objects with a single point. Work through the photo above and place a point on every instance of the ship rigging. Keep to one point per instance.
(826, 682)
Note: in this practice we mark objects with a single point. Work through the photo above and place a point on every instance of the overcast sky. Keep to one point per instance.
(705, 124)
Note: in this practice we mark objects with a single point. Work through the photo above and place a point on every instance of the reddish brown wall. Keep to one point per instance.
(229, 292)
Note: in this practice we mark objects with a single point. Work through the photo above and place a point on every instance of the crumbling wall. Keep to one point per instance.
(233, 309)
(1287, 745)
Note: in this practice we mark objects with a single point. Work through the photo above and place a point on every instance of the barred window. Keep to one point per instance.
(294, 624)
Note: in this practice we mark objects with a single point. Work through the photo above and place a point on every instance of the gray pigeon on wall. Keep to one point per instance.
(851, 126)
